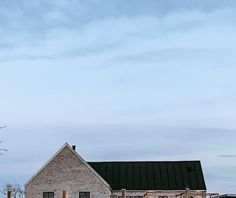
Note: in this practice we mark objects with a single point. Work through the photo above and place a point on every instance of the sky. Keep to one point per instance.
(122, 80)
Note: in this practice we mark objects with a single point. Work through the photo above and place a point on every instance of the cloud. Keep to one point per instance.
(58, 29)
(227, 156)
(122, 80)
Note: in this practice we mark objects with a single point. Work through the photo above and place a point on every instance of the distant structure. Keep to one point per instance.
(68, 175)
(228, 196)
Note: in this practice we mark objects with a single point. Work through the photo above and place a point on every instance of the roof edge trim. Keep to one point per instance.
(77, 155)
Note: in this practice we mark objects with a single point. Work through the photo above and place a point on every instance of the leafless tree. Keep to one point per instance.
(16, 190)
(2, 149)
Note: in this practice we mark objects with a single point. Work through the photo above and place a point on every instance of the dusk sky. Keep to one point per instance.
(122, 80)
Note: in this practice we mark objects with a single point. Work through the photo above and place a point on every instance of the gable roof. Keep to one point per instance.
(152, 175)
(66, 145)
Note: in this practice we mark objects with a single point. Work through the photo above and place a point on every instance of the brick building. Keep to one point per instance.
(68, 175)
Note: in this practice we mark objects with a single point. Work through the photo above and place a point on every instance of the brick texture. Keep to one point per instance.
(66, 172)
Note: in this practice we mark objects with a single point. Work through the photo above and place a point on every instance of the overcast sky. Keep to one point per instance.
(121, 79)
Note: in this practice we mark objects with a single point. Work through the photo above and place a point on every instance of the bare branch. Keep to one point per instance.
(16, 190)
(3, 127)
(2, 149)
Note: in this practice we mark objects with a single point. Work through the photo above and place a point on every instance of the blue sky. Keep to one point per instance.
(123, 80)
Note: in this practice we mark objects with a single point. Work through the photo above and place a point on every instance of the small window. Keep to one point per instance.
(189, 196)
(48, 194)
(134, 196)
(162, 196)
(84, 195)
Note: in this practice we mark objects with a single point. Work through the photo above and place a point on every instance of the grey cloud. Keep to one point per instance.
(133, 37)
(157, 140)
(31, 25)
(161, 54)
(227, 156)
(41, 15)
(150, 136)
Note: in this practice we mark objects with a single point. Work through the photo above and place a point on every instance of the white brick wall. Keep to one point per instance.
(174, 194)
(66, 172)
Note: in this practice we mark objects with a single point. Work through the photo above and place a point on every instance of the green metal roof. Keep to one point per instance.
(151, 175)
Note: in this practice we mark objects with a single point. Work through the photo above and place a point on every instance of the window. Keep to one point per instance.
(116, 196)
(48, 194)
(162, 196)
(134, 196)
(84, 195)
(189, 196)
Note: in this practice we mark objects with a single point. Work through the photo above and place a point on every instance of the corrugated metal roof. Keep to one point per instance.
(152, 175)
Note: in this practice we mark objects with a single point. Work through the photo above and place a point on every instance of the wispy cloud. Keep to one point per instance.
(227, 156)
(161, 74)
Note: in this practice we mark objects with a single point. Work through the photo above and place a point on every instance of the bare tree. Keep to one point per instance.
(16, 190)
(2, 149)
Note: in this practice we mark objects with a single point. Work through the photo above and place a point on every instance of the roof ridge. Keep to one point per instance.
(174, 161)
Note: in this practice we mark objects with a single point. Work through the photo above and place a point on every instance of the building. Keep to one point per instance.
(68, 175)
(228, 196)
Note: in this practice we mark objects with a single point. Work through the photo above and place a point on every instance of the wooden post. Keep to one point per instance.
(123, 193)
(64, 195)
(187, 193)
(8, 194)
